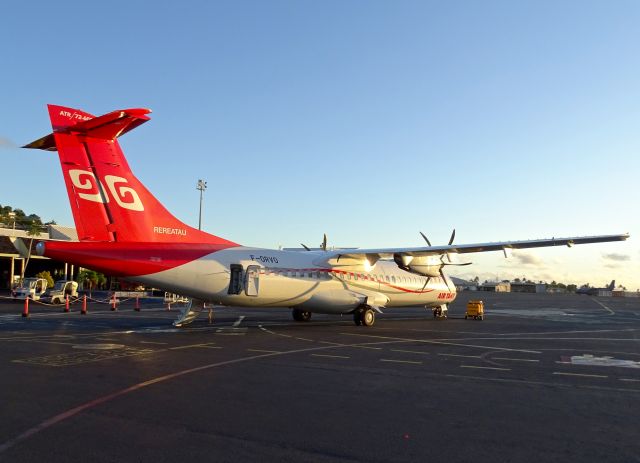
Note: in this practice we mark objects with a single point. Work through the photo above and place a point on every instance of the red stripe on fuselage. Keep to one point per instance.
(129, 259)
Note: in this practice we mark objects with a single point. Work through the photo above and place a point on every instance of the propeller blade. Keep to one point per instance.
(426, 239)
(425, 284)
(324, 242)
(458, 265)
(304, 246)
(444, 279)
(453, 235)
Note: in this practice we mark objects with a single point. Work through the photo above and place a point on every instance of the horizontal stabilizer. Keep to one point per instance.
(111, 125)
(74, 121)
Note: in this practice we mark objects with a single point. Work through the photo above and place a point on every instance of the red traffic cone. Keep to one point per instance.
(84, 305)
(25, 311)
(66, 304)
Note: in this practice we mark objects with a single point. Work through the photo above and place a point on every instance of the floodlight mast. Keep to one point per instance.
(201, 186)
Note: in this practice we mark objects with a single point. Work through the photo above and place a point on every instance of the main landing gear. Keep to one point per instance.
(364, 316)
(301, 315)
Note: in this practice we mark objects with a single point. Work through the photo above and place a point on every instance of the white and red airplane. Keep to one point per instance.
(125, 231)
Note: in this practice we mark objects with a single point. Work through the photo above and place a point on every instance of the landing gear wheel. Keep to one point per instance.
(301, 315)
(368, 317)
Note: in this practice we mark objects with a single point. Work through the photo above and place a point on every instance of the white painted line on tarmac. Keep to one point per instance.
(429, 341)
(459, 355)
(264, 351)
(485, 368)
(584, 375)
(630, 380)
(238, 321)
(152, 342)
(305, 339)
(611, 312)
(410, 351)
(368, 347)
(412, 362)
(273, 332)
(331, 356)
(515, 360)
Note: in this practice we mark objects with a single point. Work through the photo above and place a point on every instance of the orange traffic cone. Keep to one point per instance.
(66, 304)
(84, 305)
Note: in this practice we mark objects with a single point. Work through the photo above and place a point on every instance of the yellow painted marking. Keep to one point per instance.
(401, 361)
(76, 358)
(190, 346)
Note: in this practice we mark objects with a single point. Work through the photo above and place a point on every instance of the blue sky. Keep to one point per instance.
(369, 121)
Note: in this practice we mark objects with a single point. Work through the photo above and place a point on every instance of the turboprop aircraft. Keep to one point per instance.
(125, 231)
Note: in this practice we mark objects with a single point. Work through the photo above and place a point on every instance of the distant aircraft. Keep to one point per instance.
(594, 291)
(126, 232)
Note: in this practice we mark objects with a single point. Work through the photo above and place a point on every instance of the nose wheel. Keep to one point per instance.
(301, 315)
(364, 316)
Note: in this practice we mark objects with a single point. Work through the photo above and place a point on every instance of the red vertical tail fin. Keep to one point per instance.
(108, 202)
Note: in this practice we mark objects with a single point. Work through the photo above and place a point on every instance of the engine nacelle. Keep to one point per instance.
(428, 266)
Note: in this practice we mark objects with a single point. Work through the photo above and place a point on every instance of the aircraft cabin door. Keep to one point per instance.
(235, 279)
(252, 280)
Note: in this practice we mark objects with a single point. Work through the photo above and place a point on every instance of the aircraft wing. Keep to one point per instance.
(375, 254)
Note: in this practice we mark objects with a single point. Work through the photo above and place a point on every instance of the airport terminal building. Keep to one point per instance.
(14, 249)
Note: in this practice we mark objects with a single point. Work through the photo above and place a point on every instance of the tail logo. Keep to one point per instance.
(93, 189)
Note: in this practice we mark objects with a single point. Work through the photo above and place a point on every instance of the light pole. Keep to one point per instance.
(202, 185)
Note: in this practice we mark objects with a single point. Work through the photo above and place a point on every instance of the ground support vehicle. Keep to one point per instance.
(61, 290)
(475, 310)
(33, 288)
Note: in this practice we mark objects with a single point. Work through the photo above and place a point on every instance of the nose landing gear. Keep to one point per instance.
(301, 315)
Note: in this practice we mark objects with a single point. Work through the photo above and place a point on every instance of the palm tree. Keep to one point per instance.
(33, 231)
(91, 278)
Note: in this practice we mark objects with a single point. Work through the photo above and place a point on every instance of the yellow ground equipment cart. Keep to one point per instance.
(475, 310)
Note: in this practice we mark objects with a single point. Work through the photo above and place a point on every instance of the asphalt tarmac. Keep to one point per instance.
(542, 378)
